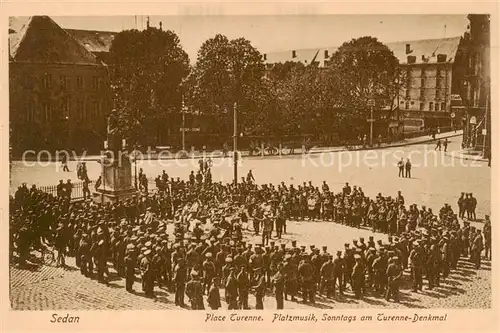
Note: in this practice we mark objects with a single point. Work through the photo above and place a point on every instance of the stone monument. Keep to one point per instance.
(116, 168)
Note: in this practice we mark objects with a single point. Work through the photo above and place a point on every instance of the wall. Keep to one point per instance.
(50, 108)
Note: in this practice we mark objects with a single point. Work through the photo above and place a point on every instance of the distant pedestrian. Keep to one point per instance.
(401, 166)
(408, 168)
(64, 162)
(445, 144)
(438, 144)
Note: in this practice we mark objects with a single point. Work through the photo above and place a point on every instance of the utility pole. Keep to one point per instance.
(235, 143)
(371, 103)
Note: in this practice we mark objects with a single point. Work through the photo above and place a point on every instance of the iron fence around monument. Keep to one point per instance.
(76, 190)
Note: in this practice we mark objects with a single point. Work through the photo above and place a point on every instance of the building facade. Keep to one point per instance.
(429, 70)
(59, 91)
(476, 89)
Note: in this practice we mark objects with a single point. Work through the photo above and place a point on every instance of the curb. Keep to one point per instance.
(332, 150)
(467, 158)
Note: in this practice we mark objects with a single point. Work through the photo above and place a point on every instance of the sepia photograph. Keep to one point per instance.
(251, 162)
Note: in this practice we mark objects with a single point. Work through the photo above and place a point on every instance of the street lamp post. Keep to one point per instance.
(235, 143)
(371, 103)
(183, 129)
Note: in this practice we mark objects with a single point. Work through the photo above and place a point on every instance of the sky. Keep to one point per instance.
(282, 32)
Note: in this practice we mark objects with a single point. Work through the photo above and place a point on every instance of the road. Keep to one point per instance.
(436, 177)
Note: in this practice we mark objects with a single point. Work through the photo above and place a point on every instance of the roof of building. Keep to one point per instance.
(39, 39)
(429, 48)
(94, 40)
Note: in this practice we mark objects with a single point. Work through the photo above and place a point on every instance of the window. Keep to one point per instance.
(46, 81)
(407, 105)
(79, 82)
(66, 106)
(422, 72)
(95, 110)
(438, 82)
(422, 83)
(443, 107)
(438, 72)
(47, 111)
(80, 109)
(437, 107)
(431, 106)
(30, 112)
(422, 106)
(95, 82)
(64, 82)
(412, 103)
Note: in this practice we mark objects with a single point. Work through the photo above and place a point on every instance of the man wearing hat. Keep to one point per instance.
(130, 263)
(417, 263)
(278, 281)
(194, 291)
(213, 298)
(291, 274)
(477, 248)
(357, 276)
(179, 279)
(147, 273)
(306, 275)
(394, 274)
(259, 288)
(231, 290)
(208, 272)
(243, 283)
(326, 280)
(487, 237)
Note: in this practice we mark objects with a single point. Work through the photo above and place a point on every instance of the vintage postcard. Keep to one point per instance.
(265, 167)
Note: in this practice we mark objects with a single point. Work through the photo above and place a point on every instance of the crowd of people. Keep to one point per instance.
(209, 246)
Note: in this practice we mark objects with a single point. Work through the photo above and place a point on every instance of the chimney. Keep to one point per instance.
(408, 49)
(294, 54)
(326, 54)
(161, 26)
(265, 57)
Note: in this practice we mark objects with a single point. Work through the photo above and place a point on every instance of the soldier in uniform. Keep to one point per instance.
(326, 274)
(231, 290)
(338, 273)
(260, 288)
(194, 291)
(357, 276)
(278, 282)
(130, 263)
(306, 273)
(417, 261)
(213, 298)
(179, 279)
(394, 274)
(208, 272)
(147, 274)
(487, 237)
(290, 271)
(477, 248)
(243, 283)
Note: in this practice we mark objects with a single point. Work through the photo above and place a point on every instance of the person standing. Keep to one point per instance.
(477, 248)
(394, 273)
(213, 298)
(243, 283)
(473, 204)
(357, 276)
(438, 145)
(408, 168)
(401, 167)
(461, 205)
(194, 291)
(445, 144)
(179, 278)
(417, 260)
(278, 281)
(260, 288)
(487, 237)
(130, 263)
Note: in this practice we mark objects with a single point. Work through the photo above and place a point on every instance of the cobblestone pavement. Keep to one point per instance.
(52, 288)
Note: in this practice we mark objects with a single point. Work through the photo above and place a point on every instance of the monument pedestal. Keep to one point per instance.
(116, 176)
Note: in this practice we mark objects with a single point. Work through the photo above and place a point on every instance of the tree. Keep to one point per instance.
(147, 70)
(227, 72)
(368, 70)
